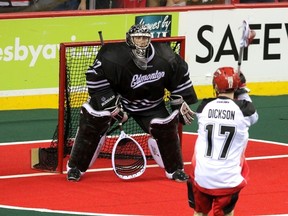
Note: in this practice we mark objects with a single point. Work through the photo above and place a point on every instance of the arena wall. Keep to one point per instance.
(29, 46)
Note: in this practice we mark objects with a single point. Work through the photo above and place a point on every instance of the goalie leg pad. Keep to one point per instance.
(165, 132)
(154, 150)
(90, 137)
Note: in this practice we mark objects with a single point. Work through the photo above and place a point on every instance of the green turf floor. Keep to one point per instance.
(21, 212)
(40, 124)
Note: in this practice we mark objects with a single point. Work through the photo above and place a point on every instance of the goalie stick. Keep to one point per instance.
(128, 158)
(247, 37)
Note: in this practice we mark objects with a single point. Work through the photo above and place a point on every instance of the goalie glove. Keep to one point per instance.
(117, 112)
(186, 114)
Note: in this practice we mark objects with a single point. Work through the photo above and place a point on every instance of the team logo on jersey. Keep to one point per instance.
(140, 79)
(105, 100)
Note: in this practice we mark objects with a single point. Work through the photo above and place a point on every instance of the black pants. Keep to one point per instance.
(144, 120)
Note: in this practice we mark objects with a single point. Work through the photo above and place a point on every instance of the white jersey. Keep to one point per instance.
(223, 126)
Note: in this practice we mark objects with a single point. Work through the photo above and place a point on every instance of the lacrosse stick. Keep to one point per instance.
(128, 157)
(247, 37)
(101, 37)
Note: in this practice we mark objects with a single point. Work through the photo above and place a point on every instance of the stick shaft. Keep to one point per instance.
(240, 58)
(101, 37)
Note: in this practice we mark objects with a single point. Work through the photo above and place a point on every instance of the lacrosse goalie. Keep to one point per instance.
(131, 78)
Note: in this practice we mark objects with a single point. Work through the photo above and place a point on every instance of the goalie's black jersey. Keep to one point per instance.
(114, 72)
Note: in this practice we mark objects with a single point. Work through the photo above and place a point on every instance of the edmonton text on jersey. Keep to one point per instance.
(221, 114)
(139, 80)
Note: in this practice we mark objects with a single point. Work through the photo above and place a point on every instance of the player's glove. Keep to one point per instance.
(242, 82)
(117, 112)
(242, 86)
(186, 114)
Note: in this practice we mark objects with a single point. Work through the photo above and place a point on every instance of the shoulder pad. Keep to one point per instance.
(246, 107)
(164, 50)
(115, 52)
(204, 102)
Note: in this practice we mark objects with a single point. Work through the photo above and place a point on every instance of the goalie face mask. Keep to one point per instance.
(138, 38)
(225, 79)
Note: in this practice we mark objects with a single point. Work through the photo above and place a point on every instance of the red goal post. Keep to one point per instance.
(75, 57)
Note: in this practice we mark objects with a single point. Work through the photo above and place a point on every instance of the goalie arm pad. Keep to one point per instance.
(186, 114)
(109, 101)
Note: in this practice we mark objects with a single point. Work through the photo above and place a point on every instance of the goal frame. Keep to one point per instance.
(62, 85)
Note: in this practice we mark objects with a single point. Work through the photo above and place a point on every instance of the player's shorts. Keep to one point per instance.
(204, 203)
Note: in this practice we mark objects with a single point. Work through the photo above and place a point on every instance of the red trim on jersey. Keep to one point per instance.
(222, 191)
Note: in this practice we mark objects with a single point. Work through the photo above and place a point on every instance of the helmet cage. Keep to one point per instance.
(141, 35)
(138, 30)
(139, 53)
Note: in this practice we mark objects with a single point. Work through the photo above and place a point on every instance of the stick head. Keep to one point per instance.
(247, 36)
(251, 36)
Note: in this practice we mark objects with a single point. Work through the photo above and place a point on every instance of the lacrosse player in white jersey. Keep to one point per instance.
(219, 169)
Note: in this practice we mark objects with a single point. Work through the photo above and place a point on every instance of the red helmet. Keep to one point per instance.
(225, 79)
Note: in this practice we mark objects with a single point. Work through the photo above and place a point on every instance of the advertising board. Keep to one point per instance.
(29, 48)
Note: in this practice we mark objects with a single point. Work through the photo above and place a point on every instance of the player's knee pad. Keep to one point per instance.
(90, 137)
(165, 132)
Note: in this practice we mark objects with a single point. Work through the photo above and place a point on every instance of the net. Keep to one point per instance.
(75, 58)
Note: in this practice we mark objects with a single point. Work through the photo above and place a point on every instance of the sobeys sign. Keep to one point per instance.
(19, 52)
(29, 55)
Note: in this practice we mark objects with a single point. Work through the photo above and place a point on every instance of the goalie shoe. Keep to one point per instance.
(73, 174)
(178, 175)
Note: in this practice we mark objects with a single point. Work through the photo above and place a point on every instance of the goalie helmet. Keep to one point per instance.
(138, 30)
(225, 79)
(139, 48)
